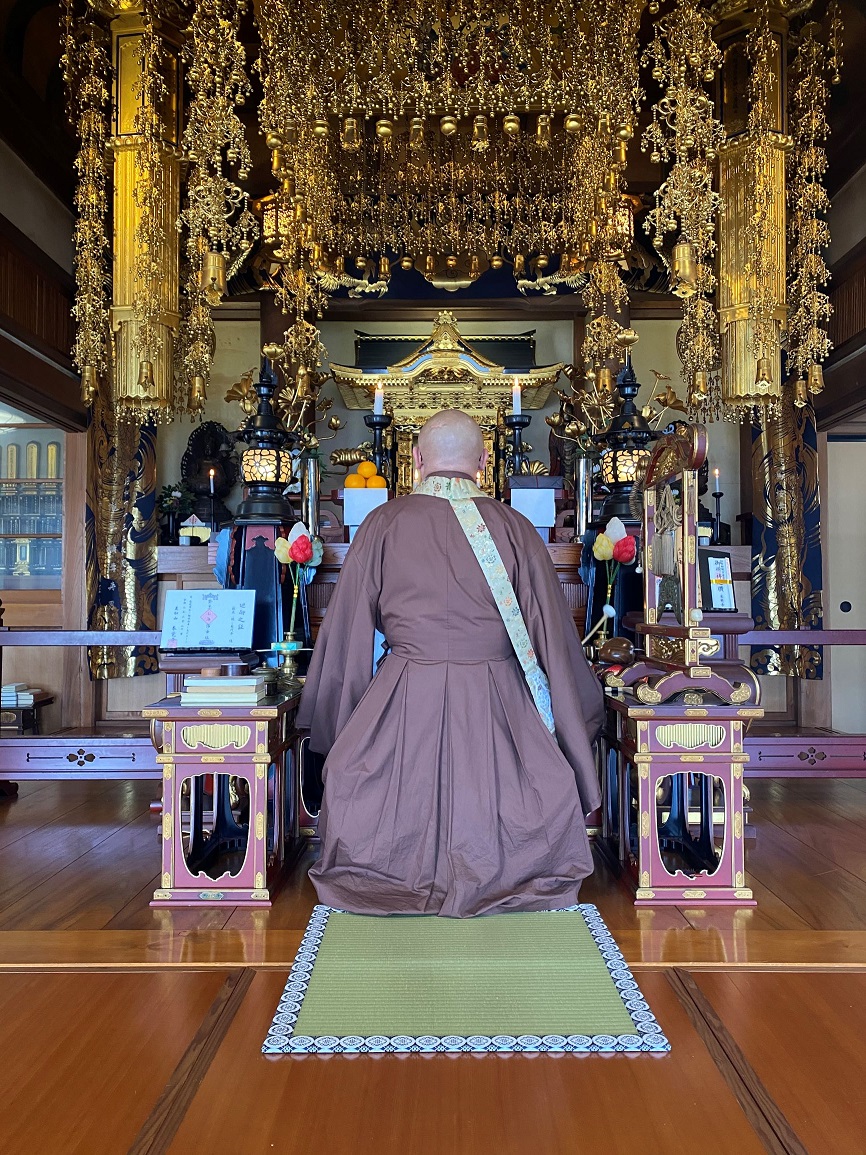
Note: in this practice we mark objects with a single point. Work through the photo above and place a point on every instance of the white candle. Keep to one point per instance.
(479, 478)
(211, 481)
(515, 399)
(379, 401)
(716, 476)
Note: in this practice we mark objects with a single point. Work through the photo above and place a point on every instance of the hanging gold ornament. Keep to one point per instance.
(752, 285)
(86, 72)
(219, 227)
(814, 67)
(686, 135)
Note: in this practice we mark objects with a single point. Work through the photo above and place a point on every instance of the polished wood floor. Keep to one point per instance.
(124, 1029)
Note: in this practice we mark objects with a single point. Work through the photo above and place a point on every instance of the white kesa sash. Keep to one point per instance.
(461, 493)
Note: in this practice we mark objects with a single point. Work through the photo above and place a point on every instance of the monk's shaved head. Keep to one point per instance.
(450, 442)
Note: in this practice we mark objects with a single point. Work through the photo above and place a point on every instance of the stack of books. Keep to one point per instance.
(199, 690)
(14, 695)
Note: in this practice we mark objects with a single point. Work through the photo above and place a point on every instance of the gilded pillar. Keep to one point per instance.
(145, 134)
(137, 389)
(752, 309)
(785, 502)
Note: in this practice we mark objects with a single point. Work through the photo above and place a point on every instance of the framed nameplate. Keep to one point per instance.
(717, 582)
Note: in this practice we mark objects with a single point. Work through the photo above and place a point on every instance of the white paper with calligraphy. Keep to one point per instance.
(208, 620)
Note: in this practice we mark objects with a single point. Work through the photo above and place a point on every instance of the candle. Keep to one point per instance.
(211, 482)
(479, 477)
(379, 401)
(716, 476)
(515, 399)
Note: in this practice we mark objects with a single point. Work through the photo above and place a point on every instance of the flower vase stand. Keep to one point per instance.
(679, 650)
(228, 862)
(673, 752)
(673, 801)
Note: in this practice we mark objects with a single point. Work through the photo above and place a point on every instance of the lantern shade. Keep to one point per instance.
(273, 465)
(621, 466)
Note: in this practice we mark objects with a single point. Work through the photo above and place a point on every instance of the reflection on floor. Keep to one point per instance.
(144, 1033)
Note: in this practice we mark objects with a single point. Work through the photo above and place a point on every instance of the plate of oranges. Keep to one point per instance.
(366, 476)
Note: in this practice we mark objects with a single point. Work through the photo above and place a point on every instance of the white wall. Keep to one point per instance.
(237, 350)
(845, 566)
(34, 210)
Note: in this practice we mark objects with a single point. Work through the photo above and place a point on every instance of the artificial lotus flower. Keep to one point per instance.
(615, 547)
(602, 548)
(281, 550)
(301, 553)
(301, 549)
(625, 550)
(615, 530)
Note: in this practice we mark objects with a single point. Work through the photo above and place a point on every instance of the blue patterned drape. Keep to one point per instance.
(786, 539)
(121, 535)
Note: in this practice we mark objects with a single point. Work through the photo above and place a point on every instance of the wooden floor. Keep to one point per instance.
(124, 1029)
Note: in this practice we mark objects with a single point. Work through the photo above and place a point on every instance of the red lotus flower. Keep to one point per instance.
(625, 550)
(301, 550)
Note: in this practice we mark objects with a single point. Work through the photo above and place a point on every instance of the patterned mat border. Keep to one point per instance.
(280, 1041)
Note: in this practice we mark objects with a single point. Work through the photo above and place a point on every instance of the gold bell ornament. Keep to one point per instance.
(606, 380)
(700, 383)
(815, 378)
(763, 376)
(213, 274)
(88, 385)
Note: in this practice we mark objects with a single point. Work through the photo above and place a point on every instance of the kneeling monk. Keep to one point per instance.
(446, 791)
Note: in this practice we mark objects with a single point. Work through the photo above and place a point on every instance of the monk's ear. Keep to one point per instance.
(484, 458)
(416, 456)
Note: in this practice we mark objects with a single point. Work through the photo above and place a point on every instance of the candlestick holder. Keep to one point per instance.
(717, 517)
(213, 527)
(377, 423)
(288, 650)
(517, 422)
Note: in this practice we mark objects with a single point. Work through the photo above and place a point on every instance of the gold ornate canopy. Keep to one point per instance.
(444, 372)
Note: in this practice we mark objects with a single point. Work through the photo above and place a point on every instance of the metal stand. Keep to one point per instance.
(377, 423)
(517, 423)
(213, 527)
(717, 517)
(310, 480)
(582, 495)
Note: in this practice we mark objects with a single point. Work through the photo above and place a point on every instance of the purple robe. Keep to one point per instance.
(444, 791)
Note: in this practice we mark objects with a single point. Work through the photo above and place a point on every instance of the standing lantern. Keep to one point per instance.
(264, 516)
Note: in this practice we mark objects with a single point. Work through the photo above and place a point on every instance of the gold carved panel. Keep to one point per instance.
(219, 736)
(690, 735)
